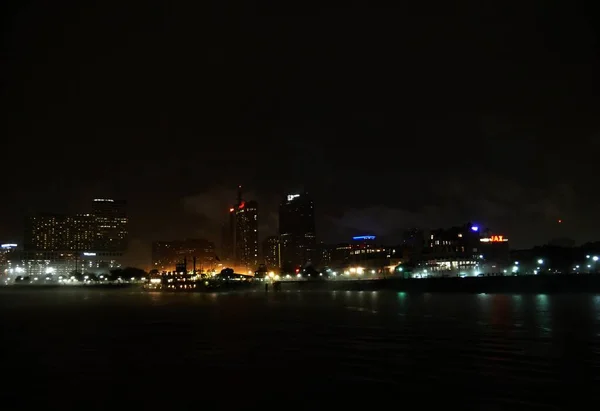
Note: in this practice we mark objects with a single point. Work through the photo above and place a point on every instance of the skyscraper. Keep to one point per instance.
(88, 242)
(271, 252)
(297, 231)
(228, 237)
(46, 232)
(105, 229)
(111, 224)
(246, 233)
(60, 232)
(80, 232)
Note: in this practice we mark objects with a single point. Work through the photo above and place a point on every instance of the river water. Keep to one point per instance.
(95, 349)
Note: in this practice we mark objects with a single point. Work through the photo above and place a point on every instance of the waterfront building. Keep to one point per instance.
(297, 231)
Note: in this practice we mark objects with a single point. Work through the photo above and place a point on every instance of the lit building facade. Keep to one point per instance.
(271, 251)
(60, 243)
(42, 264)
(297, 231)
(80, 232)
(246, 234)
(8, 255)
(111, 224)
(365, 252)
(453, 251)
(46, 232)
(103, 230)
(53, 232)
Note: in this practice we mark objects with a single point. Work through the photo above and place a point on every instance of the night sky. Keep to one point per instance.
(389, 118)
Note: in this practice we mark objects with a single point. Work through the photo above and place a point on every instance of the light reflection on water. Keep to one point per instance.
(490, 348)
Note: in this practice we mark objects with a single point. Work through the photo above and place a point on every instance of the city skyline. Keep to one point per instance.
(268, 230)
(289, 248)
(367, 201)
(409, 122)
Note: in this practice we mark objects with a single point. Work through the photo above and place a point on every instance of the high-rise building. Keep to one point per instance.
(246, 234)
(111, 224)
(80, 232)
(271, 252)
(297, 231)
(46, 232)
(103, 230)
(60, 232)
(228, 237)
(7, 254)
(90, 242)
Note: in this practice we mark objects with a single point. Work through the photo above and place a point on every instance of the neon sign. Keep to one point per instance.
(494, 239)
(364, 237)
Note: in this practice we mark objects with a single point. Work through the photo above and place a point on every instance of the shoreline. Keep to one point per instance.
(538, 284)
(534, 284)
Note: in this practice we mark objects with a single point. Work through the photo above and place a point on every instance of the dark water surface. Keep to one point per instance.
(95, 349)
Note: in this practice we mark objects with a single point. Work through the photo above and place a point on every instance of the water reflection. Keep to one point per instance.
(501, 315)
(543, 315)
(596, 302)
(527, 349)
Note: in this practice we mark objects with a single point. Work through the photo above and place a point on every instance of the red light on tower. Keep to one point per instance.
(559, 221)
(242, 204)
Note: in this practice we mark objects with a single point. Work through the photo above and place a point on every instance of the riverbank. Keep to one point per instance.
(513, 284)
(69, 286)
(534, 284)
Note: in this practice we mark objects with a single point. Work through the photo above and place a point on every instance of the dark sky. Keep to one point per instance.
(389, 117)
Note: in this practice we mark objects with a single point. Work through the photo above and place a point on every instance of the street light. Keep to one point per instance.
(595, 258)
(540, 261)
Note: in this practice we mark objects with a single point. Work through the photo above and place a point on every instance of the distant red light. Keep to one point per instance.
(242, 204)
(297, 270)
(231, 210)
(559, 221)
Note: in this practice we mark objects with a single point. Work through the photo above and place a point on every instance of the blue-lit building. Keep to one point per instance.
(365, 247)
